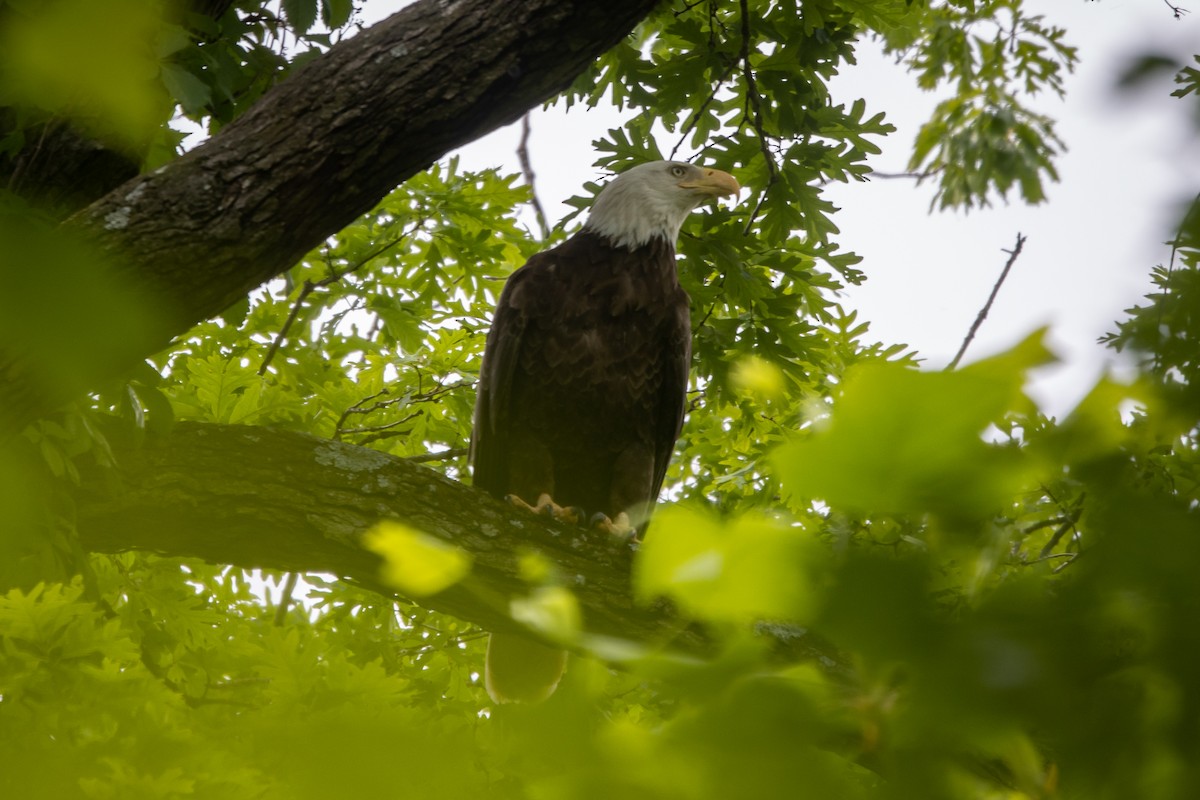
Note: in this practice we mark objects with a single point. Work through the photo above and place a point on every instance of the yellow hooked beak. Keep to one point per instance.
(714, 182)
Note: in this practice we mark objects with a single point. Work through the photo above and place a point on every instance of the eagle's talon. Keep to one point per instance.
(620, 528)
(513, 500)
(546, 507)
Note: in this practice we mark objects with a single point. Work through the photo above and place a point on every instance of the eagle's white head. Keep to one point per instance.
(652, 200)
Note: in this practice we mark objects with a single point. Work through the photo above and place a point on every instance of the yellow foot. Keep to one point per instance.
(620, 528)
(546, 505)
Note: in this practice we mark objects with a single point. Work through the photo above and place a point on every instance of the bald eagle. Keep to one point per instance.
(584, 376)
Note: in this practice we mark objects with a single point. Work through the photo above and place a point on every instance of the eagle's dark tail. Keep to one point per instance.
(520, 670)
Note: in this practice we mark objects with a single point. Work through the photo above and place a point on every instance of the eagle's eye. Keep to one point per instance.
(678, 171)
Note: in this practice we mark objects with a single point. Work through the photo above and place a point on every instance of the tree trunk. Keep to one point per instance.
(261, 497)
(318, 150)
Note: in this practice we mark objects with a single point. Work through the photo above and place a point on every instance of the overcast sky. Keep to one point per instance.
(1089, 249)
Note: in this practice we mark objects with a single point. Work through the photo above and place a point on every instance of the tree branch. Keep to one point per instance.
(1176, 11)
(530, 178)
(983, 312)
(260, 497)
(315, 152)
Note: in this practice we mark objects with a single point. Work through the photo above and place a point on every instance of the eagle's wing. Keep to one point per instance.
(677, 362)
(489, 437)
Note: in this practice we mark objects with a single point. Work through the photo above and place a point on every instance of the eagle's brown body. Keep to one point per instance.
(582, 389)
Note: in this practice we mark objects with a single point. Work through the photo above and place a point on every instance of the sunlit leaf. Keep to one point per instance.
(92, 62)
(551, 610)
(415, 563)
(902, 440)
(752, 569)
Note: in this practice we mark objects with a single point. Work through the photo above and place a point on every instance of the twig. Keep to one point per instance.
(1066, 525)
(527, 169)
(690, 124)
(360, 408)
(716, 140)
(305, 291)
(387, 426)
(16, 177)
(285, 599)
(711, 308)
(762, 198)
(310, 286)
(754, 102)
(449, 644)
(381, 436)
(1177, 11)
(442, 455)
(234, 683)
(1070, 515)
(1185, 227)
(918, 176)
(983, 312)
(688, 7)
(408, 398)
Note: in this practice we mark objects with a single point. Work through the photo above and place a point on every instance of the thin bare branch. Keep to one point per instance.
(285, 598)
(1066, 526)
(917, 176)
(711, 308)
(448, 644)
(1177, 11)
(311, 286)
(387, 426)
(983, 312)
(305, 291)
(444, 455)
(688, 7)
(527, 170)
(361, 407)
(406, 399)
(694, 118)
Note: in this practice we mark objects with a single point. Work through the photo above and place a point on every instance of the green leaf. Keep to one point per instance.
(336, 13)
(747, 570)
(91, 62)
(550, 610)
(300, 14)
(190, 92)
(414, 562)
(903, 441)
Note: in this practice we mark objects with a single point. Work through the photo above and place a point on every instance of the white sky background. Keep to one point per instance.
(1090, 247)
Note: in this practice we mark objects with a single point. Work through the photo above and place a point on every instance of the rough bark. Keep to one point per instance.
(259, 497)
(319, 149)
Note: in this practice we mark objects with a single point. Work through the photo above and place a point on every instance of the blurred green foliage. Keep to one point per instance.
(1013, 597)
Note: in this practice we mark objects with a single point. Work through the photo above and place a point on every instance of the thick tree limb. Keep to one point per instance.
(318, 150)
(259, 497)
